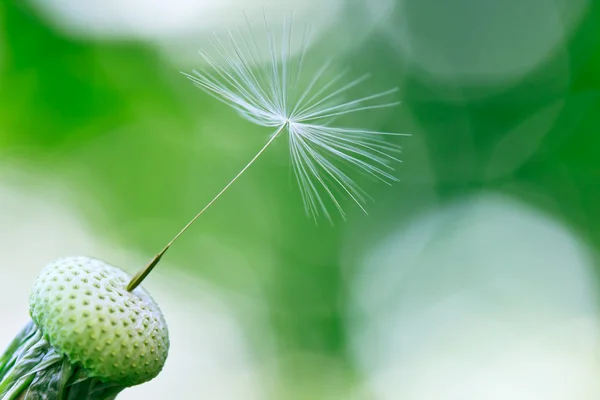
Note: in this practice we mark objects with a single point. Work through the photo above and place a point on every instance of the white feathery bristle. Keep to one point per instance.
(270, 90)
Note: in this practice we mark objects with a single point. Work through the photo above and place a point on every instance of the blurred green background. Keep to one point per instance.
(474, 277)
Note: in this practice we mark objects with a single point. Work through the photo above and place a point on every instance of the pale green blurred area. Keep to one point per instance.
(474, 277)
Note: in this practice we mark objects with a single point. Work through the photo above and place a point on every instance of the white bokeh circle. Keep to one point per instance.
(481, 41)
(160, 20)
(486, 298)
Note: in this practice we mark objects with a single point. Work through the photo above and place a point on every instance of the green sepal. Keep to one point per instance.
(31, 369)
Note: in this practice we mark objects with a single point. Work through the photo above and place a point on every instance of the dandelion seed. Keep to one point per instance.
(271, 90)
(271, 95)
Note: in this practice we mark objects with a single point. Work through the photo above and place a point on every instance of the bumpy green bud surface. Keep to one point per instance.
(85, 312)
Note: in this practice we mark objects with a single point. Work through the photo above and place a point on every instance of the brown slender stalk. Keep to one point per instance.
(144, 272)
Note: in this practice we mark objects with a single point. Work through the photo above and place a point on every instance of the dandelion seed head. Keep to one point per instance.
(271, 88)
